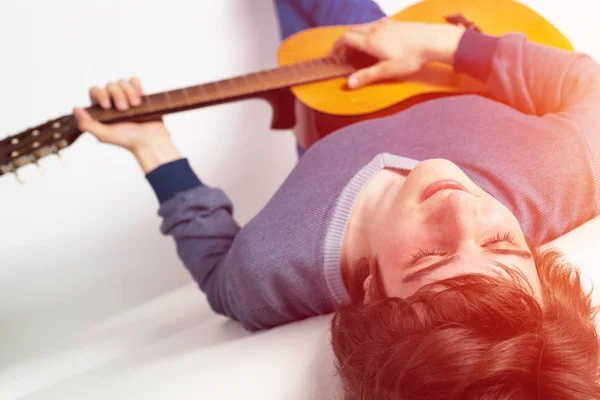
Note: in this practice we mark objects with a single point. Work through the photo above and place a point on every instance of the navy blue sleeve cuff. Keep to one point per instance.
(171, 178)
(474, 54)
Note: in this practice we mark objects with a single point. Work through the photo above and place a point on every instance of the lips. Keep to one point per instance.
(443, 184)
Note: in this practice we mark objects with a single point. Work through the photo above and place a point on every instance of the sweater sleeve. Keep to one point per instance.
(532, 78)
(337, 12)
(245, 273)
(200, 221)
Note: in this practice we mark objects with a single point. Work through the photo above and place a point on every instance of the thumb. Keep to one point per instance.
(380, 71)
(86, 123)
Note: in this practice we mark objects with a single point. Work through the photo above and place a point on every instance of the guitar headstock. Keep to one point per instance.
(32, 144)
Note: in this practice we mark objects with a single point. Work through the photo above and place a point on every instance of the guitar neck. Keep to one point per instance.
(227, 90)
(37, 142)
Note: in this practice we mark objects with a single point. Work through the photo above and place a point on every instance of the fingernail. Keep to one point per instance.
(122, 104)
(136, 101)
(105, 104)
(353, 81)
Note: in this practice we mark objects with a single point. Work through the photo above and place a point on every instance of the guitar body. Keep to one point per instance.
(325, 106)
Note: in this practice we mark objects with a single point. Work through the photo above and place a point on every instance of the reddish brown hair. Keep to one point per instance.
(473, 337)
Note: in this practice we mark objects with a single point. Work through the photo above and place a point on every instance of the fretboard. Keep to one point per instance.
(229, 89)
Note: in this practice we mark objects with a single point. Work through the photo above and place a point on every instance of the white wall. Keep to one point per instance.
(82, 243)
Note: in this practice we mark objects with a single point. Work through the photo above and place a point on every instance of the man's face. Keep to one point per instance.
(441, 233)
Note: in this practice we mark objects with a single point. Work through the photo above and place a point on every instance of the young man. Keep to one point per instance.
(420, 229)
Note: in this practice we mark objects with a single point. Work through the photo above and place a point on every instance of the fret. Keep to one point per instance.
(301, 67)
(257, 81)
(217, 89)
(257, 78)
(327, 66)
(150, 107)
(196, 92)
(252, 84)
(211, 88)
(247, 79)
(244, 83)
(296, 71)
(186, 96)
(131, 111)
(328, 62)
(232, 89)
(177, 97)
(338, 59)
(268, 76)
(204, 92)
(322, 62)
(261, 78)
(167, 97)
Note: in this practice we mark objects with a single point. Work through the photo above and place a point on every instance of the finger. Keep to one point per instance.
(118, 96)
(380, 71)
(340, 51)
(354, 41)
(370, 27)
(86, 123)
(338, 47)
(384, 21)
(137, 85)
(130, 92)
(99, 96)
(364, 28)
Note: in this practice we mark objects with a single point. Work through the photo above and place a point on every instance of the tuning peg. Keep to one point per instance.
(39, 168)
(60, 158)
(19, 179)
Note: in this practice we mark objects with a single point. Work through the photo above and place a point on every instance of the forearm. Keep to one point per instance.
(443, 43)
(166, 170)
(155, 153)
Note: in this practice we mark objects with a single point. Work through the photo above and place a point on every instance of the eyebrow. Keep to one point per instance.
(525, 255)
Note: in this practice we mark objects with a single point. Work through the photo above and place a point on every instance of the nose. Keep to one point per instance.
(457, 216)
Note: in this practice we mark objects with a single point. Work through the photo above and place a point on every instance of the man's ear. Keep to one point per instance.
(367, 287)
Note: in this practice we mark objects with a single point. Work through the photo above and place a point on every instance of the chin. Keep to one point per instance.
(438, 168)
(439, 165)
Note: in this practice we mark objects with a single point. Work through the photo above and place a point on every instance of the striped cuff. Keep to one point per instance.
(474, 54)
(171, 178)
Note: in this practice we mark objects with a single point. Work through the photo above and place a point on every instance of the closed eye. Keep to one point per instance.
(420, 254)
(505, 237)
(500, 237)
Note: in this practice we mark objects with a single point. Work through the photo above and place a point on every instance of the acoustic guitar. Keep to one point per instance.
(308, 90)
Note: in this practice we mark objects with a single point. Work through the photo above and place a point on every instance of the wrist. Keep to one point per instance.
(156, 152)
(443, 43)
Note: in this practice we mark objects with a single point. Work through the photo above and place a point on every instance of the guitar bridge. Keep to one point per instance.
(459, 19)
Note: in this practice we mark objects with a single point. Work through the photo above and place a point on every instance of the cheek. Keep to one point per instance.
(396, 242)
(501, 218)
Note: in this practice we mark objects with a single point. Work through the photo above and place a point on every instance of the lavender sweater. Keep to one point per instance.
(536, 149)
